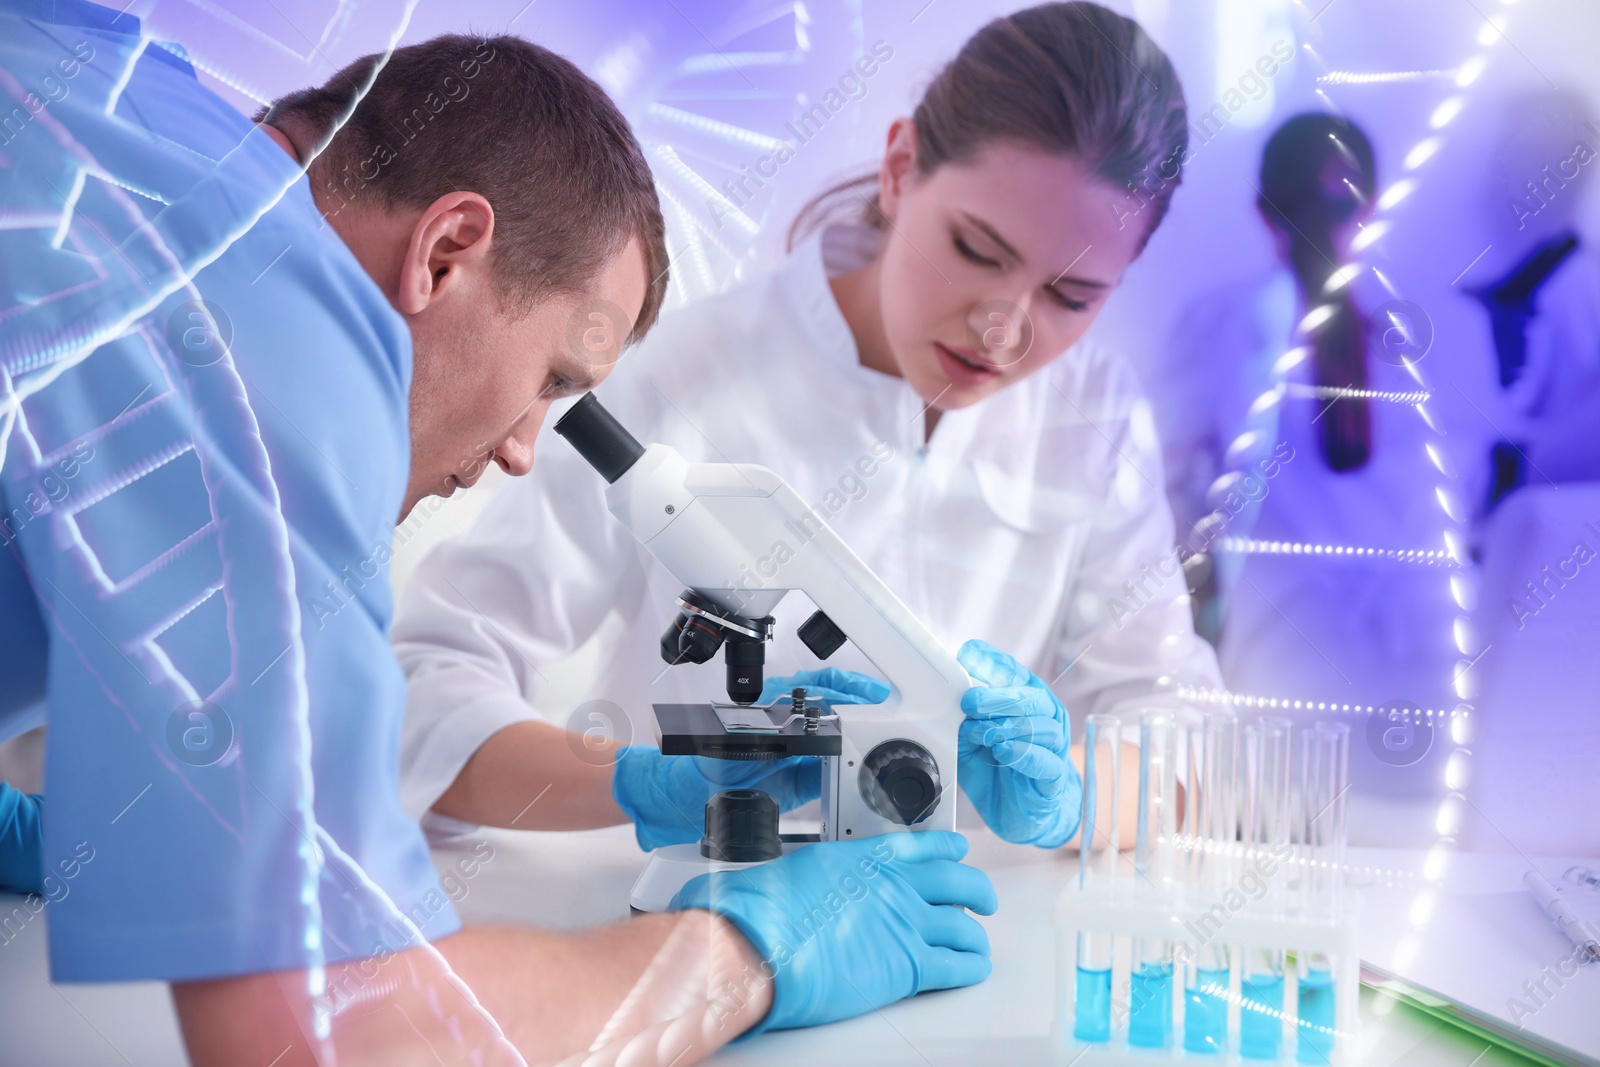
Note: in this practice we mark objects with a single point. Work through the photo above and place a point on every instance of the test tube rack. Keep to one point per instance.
(1189, 914)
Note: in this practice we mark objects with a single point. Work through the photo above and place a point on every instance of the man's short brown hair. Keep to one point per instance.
(502, 117)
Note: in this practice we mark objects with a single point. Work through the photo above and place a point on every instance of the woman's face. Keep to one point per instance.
(992, 268)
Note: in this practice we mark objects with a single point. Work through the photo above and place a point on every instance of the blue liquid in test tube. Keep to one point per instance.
(1150, 1019)
(1266, 822)
(1315, 1044)
(1150, 1014)
(1210, 822)
(1091, 1008)
(1327, 779)
(1261, 1017)
(1205, 1013)
(1097, 865)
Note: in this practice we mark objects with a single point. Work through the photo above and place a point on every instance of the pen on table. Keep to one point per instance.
(1550, 899)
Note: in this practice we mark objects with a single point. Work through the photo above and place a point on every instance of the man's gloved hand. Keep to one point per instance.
(666, 796)
(1013, 752)
(849, 926)
(21, 841)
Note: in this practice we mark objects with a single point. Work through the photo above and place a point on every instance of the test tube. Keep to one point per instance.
(1150, 1012)
(1266, 835)
(1325, 781)
(1209, 823)
(1191, 856)
(1097, 864)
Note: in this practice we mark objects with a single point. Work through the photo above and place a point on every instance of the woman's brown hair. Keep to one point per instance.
(1317, 172)
(1070, 78)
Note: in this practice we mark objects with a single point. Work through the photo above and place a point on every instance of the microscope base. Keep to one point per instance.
(672, 866)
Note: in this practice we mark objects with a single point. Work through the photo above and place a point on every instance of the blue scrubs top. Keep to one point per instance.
(203, 410)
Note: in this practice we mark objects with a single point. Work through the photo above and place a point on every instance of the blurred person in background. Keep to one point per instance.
(1533, 297)
(1538, 284)
(1287, 413)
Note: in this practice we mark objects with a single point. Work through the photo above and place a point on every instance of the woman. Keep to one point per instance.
(917, 370)
(1292, 397)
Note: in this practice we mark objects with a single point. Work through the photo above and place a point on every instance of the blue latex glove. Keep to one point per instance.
(21, 841)
(836, 687)
(666, 796)
(830, 683)
(1013, 751)
(849, 926)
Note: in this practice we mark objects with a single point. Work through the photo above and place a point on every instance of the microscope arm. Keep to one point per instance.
(739, 535)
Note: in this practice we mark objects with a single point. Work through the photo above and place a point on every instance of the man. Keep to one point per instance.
(215, 372)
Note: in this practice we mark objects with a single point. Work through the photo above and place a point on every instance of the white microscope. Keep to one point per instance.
(740, 539)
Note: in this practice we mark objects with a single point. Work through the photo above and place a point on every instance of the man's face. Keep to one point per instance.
(484, 376)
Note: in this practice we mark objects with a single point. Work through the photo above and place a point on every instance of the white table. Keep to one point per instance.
(1535, 772)
(570, 881)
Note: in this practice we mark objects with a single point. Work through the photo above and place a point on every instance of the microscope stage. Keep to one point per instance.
(698, 730)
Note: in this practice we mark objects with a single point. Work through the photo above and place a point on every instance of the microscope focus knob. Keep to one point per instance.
(900, 781)
(741, 827)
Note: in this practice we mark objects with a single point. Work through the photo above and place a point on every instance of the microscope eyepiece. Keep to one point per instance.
(599, 438)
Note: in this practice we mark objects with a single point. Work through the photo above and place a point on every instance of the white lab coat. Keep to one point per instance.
(1018, 522)
(1320, 628)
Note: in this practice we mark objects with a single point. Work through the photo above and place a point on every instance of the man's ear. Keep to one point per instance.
(899, 161)
(452, 236)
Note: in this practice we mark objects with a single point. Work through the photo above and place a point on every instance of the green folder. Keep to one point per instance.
(1494, 1032)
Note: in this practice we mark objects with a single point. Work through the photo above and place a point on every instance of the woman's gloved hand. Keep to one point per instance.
(21, 841)
(666, 796)
(829, 683)
(846, 927)
(1013, 751)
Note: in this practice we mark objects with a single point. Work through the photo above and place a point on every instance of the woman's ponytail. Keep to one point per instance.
(1317, 172)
